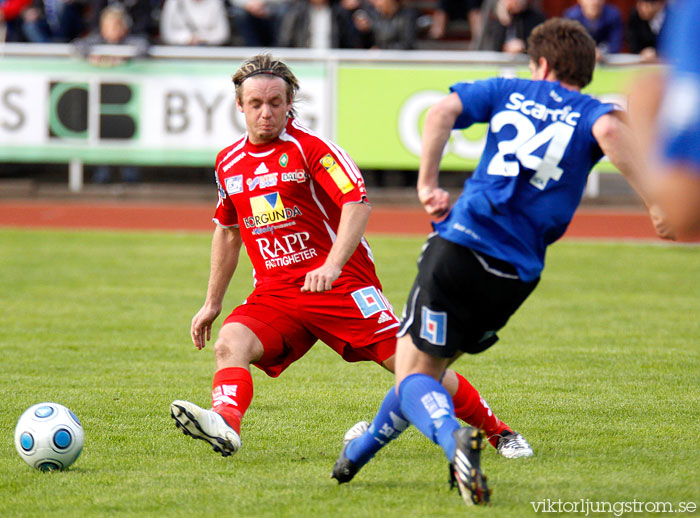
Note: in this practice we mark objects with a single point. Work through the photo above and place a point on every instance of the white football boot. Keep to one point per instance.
(344, 469)
(206, 425)
(354, 432)
(512, 445)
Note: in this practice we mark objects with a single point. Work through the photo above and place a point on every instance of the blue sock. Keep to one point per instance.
(386, 426)
(428, 406)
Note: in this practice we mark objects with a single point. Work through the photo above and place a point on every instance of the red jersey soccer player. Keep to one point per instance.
(299, 205)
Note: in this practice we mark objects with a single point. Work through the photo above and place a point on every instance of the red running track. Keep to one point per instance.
(587, 223)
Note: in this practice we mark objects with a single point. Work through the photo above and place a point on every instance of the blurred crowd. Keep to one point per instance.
(496, 25)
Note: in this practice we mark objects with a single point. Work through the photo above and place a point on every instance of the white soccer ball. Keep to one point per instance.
(48, 436)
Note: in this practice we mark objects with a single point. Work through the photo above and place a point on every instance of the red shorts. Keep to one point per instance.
(354, 319)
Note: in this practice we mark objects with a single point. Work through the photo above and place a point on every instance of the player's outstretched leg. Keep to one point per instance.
(465, 468)
(206, 425)
(363, 440)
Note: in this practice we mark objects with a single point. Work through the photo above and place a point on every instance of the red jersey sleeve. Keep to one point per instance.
(225, 214)
(332, 168)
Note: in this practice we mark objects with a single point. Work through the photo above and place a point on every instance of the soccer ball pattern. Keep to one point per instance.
(48, 437)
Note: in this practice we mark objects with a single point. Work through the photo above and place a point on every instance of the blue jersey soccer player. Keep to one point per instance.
(667, 113)
(488, 250)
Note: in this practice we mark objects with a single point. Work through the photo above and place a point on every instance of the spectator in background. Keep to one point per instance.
(603, 22)
(11, 20)
(114, 29)
(257, 21)
(317, 24)
(359, 10)
(645, 23)
(53, 21)
(194, 22)
(451, 10)
(141, 13)
(508, 27)
(387, 24)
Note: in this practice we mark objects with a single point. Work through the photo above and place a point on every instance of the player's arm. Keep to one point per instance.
(439, 122)
(643, 104)
(679, 190)
(619, 144)
(225, 250)
(353, 222)
(678, 193)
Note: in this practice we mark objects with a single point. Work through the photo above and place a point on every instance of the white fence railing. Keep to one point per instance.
(176, 105)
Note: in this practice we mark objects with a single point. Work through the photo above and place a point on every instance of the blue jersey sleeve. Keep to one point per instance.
(594, 111)
(477, 101)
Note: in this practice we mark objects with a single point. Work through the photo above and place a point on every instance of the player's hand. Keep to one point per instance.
(435, 201)
(200, 331)
(321, 279)
(661, 226)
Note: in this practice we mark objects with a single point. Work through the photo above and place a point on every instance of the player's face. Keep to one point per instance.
(265, 106)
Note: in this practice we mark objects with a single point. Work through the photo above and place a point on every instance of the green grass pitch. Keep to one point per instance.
(600, 370)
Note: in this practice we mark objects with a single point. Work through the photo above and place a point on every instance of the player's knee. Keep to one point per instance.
(450, 381)
(390, 363)
(230, 352)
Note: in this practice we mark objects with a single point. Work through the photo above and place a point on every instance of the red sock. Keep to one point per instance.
(231, 393)
(471, 408)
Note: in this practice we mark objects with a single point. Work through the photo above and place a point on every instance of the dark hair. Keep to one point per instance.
(568, 48)
(266, 64)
